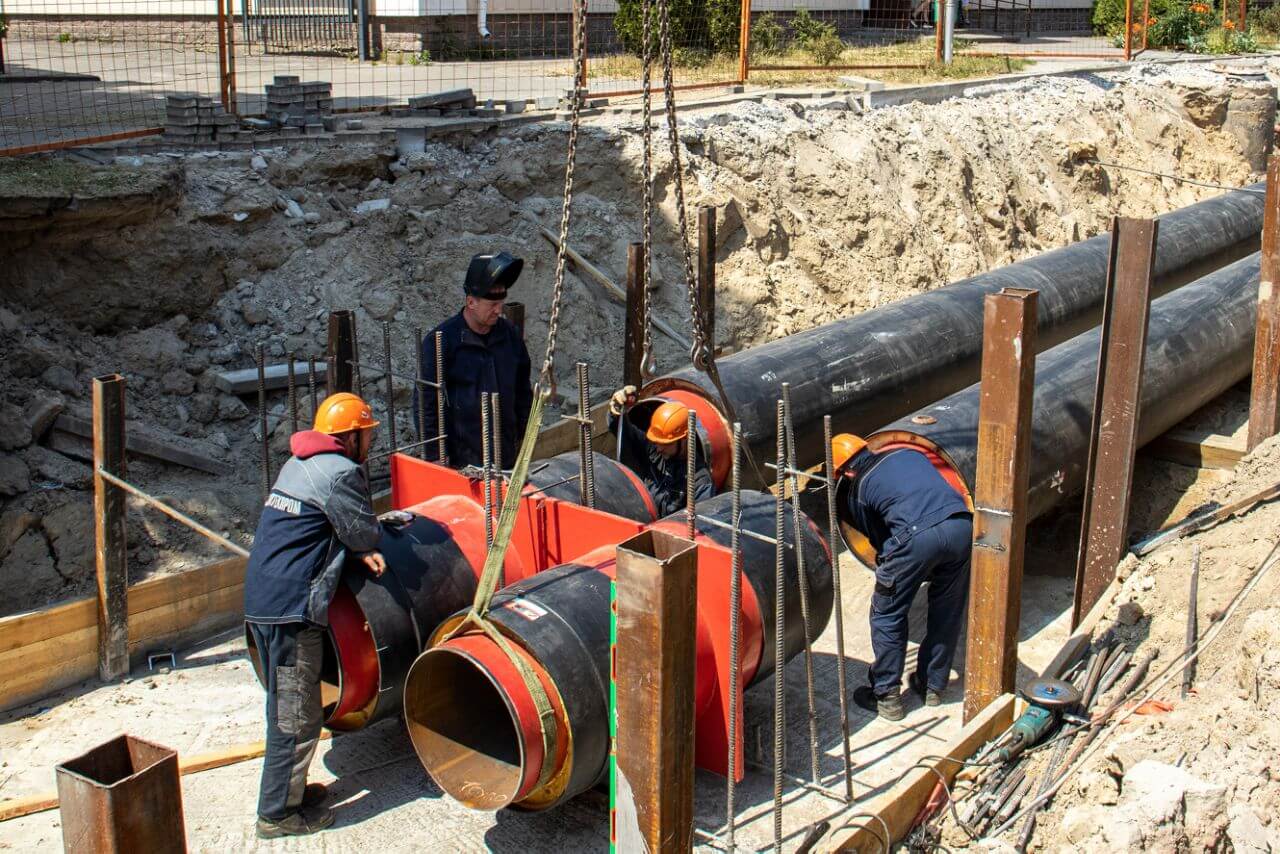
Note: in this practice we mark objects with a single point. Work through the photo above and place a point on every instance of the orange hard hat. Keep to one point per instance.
(342, 413)
(670, 423)
(845, 447)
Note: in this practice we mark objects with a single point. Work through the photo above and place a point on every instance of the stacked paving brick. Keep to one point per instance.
(299, 107)
(196, 118)
(456, 102)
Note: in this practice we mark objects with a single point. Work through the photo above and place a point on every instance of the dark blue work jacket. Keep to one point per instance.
(896, 495)
(475, 365)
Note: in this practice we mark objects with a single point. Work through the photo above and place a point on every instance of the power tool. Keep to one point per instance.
(1048, 699)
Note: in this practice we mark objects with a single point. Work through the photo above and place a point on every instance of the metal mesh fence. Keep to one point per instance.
(76, 71)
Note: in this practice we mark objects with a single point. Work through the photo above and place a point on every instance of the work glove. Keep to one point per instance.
(621, 399)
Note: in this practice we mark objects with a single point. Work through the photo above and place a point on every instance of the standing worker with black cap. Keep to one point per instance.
(483, 353)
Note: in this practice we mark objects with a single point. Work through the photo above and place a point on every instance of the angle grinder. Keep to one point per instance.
(1049, 699)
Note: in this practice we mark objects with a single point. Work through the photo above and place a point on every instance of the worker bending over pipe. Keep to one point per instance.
(663, 463)
(900, 516)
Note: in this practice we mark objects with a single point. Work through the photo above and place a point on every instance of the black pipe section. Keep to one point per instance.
(1199, 344)
(618, 490)
(867, 370)
(561, 618)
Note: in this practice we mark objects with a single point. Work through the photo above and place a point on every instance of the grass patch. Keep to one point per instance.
(705, 68)
(54, 177)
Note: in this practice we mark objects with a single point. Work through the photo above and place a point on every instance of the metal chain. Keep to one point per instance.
(579, 70)
(648, 363)
(701, 352)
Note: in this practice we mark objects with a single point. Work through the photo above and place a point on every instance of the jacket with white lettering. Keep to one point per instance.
(318, 512)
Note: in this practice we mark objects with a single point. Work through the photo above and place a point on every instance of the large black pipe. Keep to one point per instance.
(560, 618)
(867, 370)
(1199, 344)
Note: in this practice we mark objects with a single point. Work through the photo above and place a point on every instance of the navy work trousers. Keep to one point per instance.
(939, 555)
(291, 655)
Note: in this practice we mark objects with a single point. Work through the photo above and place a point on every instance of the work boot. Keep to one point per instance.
(930, 696)
(887, 706)
(314, 795)
(300, 823)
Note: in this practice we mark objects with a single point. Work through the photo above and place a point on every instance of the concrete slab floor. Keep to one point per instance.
(385, 801)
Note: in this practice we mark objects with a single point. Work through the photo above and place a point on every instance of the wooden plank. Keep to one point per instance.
(245, 380)
(156, 449)
(562, 436)
(32, 671)
(657, 578)
(19, 630)
(1264, 396)
(111, 551)
(1000, 496)
(1198, 449)
(166, 589)
(899, 806)
(1114, 436)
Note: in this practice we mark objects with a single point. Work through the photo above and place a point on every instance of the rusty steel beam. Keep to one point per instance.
(1000, 496)
(110, 549)
(514, 312)
(122, 796)
(633, 337)
(1264, 397)
(657, 575)
(707, 273)
(1113, 438)
(341, 353)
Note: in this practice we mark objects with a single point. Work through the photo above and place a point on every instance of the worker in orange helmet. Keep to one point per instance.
(899, 516)
(319, 513)
(659, 454)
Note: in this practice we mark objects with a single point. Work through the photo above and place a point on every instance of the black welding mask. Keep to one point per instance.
(489, 276)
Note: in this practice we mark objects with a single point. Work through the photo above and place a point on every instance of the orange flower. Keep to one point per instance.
(1228, 25)
(1151, 21)
(1200, 8)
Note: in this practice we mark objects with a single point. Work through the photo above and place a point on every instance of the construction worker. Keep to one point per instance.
(318, 514)
(483, 352)
(898, 514)
(659, 454)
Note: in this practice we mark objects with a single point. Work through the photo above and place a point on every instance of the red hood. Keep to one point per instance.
(309, 443)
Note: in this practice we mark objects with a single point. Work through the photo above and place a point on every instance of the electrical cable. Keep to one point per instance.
(1177, 178)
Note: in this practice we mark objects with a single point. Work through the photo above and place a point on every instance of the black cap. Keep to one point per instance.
(489, 276)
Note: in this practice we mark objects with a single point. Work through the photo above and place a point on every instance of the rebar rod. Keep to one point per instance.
(262, 423)
(486, 465)
(735, 637)
(293, 396)
(834, 545)
(779, 628)
(586, 456)
(798, 518)
(495, 463)
(391, 384)
(442, 451)
(311, 386)
(690, 474)
(420, 414)
(1193, 622)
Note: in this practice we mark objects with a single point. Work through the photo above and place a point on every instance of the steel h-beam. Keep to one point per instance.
(1264, 398)
(707, 274)
(341, 351)
(657, 576)
(1114, 433)
(109, 527)
(1000, 496)
(633, 337)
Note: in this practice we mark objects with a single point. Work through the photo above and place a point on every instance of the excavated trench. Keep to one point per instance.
(174, 269)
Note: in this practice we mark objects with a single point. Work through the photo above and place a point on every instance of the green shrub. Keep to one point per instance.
(691, 57)
(708, 25)
(64, 38)
(1226, 40)
(808, 29)
(1266, 21)
(422, 57)
(1180, 25)
(825, 48)
(766, 36)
